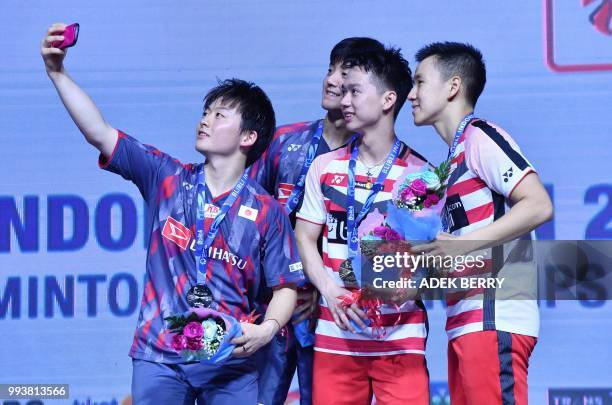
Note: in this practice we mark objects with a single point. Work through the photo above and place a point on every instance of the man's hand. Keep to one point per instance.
(254, 337)
(446, 246)
(53, 57)
(307, 304)
(81, 108)
(307, 234)
(331, 293)
(442, 246)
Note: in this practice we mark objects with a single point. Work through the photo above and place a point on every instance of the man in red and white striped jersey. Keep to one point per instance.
(490, 339)
(350, 367)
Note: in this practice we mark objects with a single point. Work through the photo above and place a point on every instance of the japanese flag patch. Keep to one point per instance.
(248, 212)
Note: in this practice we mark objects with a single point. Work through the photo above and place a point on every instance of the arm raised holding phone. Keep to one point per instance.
(80, 106)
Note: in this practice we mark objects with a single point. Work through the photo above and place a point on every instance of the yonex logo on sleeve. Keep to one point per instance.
(507, 175)
(293, 147)
(176, 232)
(295, 267)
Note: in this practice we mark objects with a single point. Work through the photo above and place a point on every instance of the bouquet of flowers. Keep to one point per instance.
(203, 335)
(413, 215)
(382, 239)
(414, 212)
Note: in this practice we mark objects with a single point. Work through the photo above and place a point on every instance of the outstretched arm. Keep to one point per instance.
(530, 207)
(80, 106)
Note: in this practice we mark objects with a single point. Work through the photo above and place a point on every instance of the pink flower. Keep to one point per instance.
(419, 188)
(194, 344)
(193, 330)
(406, 195)
(431, 200)
(179, 342)
(380, 231)
(392, 235)
(386, 233)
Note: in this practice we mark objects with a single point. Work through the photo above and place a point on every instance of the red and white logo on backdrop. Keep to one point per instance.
(601, 16)
(578, 35)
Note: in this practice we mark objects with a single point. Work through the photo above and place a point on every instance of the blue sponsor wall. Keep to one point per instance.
(72, 244)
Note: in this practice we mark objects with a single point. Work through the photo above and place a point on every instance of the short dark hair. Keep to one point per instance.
(390, 69)
(463, 60)
(254, 107)
(348, 46)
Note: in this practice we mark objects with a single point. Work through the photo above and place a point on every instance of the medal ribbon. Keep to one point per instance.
(353, 222)
(464, 122)
(298, 190)
(460, 129)
(203, 243)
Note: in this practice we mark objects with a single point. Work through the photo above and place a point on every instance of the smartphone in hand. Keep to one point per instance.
(71, 33)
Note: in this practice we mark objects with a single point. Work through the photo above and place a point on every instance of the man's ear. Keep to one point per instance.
(248, 138)
(454, 87)
(389, 98)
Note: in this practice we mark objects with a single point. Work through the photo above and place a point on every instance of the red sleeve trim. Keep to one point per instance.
(519, 182)
(102, 161)
(308, 220)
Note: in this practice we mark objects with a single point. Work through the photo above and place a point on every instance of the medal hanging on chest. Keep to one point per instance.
(200, 295)
(369, 184)
(347, 274)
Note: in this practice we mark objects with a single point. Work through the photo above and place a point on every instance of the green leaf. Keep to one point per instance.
(443, 171)
(176, 323)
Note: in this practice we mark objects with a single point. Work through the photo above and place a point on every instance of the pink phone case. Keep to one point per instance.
(71, 33)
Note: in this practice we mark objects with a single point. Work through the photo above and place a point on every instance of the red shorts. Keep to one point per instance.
(352, 380)
(489, 367)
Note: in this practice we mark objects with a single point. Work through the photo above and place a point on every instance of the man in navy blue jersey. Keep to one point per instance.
(195, 257)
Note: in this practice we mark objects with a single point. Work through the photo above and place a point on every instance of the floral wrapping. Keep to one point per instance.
(203, 335)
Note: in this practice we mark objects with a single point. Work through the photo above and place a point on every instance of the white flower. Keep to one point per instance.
(210, 329)
(431, 179)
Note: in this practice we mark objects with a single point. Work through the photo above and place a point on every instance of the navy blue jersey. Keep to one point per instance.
(280, 166)
(254, 248)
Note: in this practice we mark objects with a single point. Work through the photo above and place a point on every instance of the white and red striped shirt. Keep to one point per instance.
(325, 204)
(485, 169)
